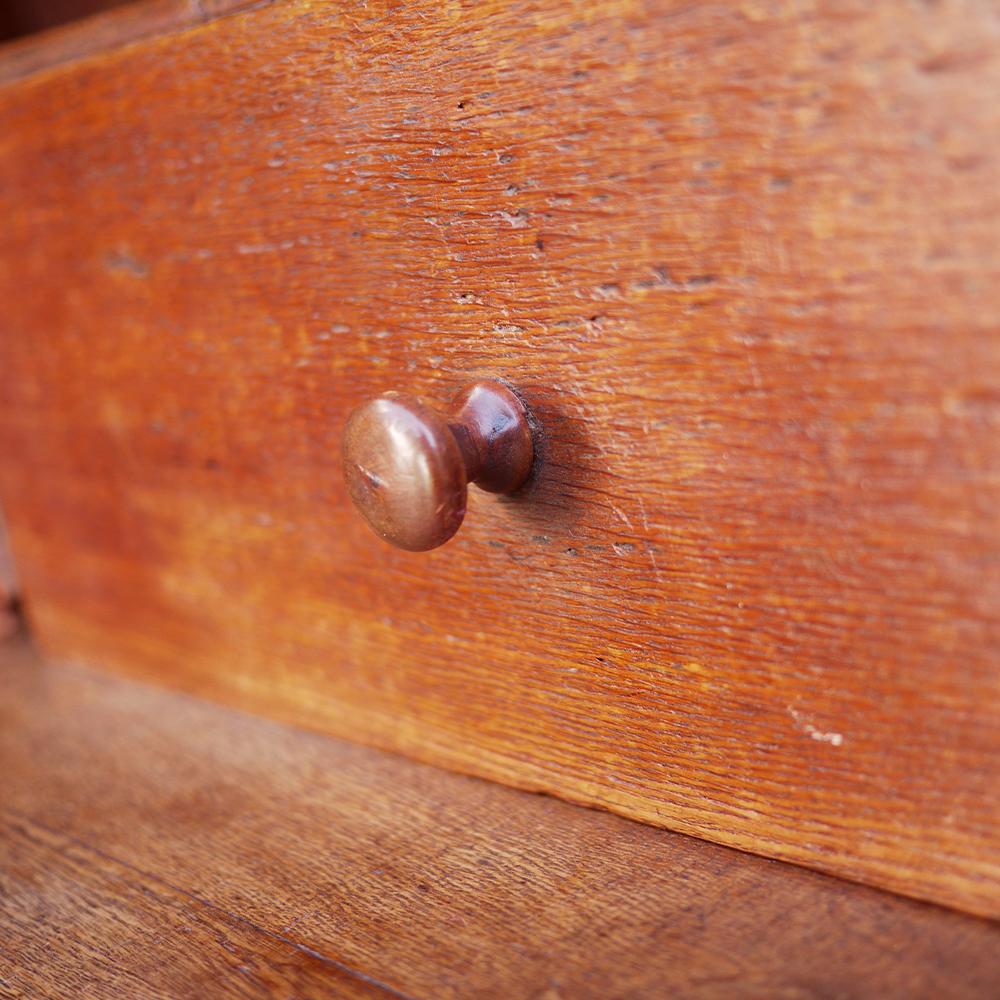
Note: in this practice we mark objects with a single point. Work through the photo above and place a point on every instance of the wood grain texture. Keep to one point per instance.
(76, 923)
(743, 261)
(269, 861)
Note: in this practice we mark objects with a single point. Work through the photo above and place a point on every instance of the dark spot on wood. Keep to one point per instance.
(125, 263)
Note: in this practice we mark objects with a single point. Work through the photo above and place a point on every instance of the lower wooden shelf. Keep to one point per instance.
(155, 845)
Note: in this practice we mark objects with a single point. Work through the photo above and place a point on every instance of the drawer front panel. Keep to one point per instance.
(741, 260)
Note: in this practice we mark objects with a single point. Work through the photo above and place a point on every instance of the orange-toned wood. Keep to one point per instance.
(155, 841)
(743, 262)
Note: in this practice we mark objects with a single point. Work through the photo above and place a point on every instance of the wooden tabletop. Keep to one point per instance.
(156, 845)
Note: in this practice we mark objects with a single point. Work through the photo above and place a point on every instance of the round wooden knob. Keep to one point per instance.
(408, 466)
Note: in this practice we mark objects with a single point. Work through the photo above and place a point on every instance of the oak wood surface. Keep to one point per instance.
(742, 259)
(156, 845)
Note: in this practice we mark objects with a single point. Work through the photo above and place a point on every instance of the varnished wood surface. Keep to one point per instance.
(155, 845)
(742, 259)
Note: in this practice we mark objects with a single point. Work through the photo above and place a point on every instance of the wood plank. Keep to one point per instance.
(76, 923)
(109, 29)
(25, 17)
(140, 808)
(744, 262)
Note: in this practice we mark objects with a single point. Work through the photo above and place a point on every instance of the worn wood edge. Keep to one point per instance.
(108, 30)
(695, 899)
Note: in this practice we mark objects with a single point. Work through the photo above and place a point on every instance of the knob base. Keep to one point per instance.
(491, 426)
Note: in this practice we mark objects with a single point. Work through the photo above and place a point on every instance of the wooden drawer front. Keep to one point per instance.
(741, 259)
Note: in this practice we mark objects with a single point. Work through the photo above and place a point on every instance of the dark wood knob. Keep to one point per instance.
(408, 466)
